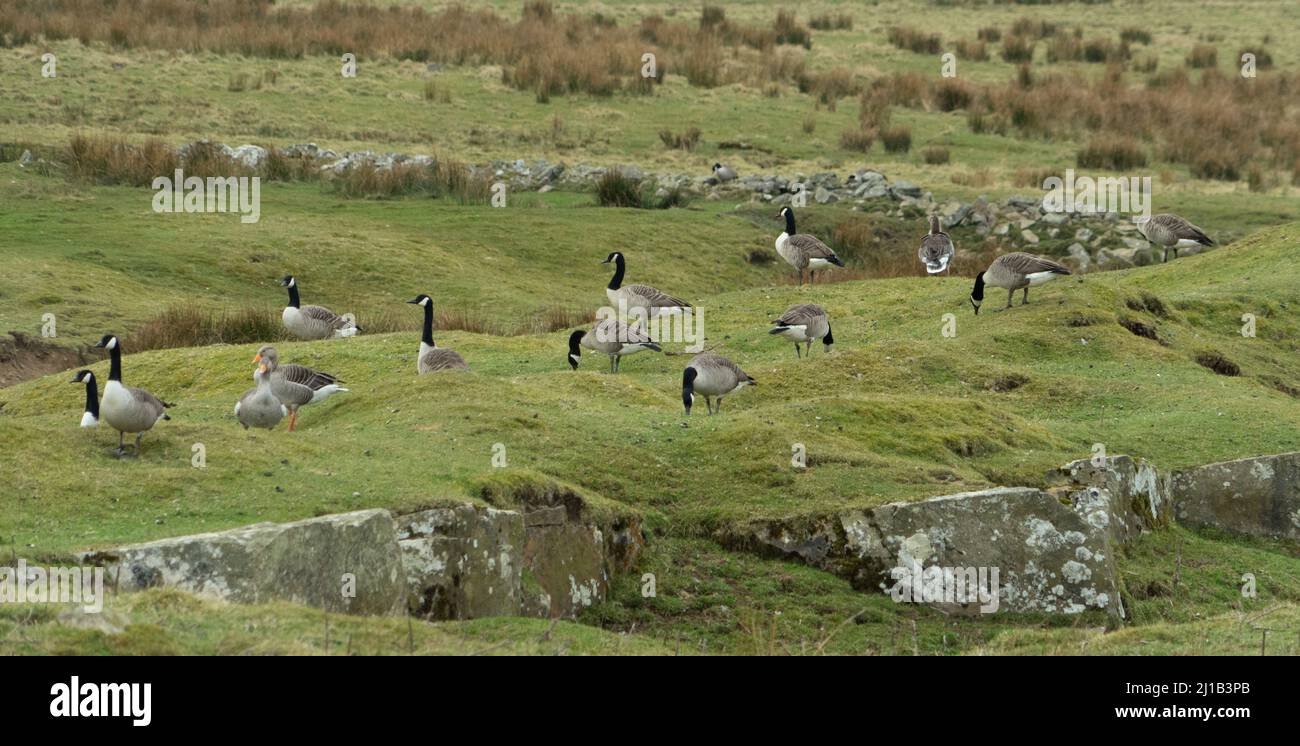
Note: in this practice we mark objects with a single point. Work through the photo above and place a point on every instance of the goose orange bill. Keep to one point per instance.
(257, 358)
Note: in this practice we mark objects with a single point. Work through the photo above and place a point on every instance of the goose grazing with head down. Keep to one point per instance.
(652, 300)
(1172, 232)
(612, 337)
(937, 250)
(1015, 271)
(713, 376)
(313, 322)
(296, 385)
(433, 357)
(259, 407)
(127, 410)
(89, 418)
(723, 173)
(802, 250)
(805, 322)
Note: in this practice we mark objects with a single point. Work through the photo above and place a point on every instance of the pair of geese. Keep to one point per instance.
(280, 391)
(1019, 270)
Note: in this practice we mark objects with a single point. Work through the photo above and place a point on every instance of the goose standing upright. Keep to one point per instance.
(805, 322)
(90, 417)
(1172, 232)
(652, 300)
(296, 385)
(127, 410)
(433, 357)
(937, 250)
(803, 251)
(259, 406)
(1015, 271)
(713, 376)
(612, 337)
(313, 322)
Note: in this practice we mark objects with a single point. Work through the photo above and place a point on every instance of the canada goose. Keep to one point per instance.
(803, 251)
(654, 301)
(313, 322)
(723, 173)
(89, 418)
(296, 385)
(127, 410)
(259, 407)
(804, 322)
(612, 337)
(711, 375)
(936, 249)
(1172, 232)
(1014, 271)
(433, 357)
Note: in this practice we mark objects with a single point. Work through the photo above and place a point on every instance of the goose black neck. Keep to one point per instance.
(789, 222)
(293, 295)
(92, 398)
(616, 281)
(574, 339)
(427, 337)
(115, 371)
(978, 292)
(828, 340)
(688, 387)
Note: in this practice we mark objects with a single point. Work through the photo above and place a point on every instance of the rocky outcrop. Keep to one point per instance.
(346, 563)
(548, 559)
(462, 562)
(1053, 550)
(1253, 496)
(470, 561)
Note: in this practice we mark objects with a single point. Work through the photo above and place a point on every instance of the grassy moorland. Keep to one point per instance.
(897, 411)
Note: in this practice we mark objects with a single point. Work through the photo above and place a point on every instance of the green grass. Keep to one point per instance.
(102, 260)
(168, 622)
(897, 411)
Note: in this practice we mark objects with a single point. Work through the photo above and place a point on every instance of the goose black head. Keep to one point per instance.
(614, 256)
(575, 351)
(784, 212)
(107, 342)
(83, 376)
(828, 340)
(287, 281)
(717, 166)
(421, 300)
(977, 294)
(688, 388)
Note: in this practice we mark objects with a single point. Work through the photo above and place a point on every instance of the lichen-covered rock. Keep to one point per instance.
(347, 563)
(567, 559)
(1047, 556)
(550, 559)
(1253, 496)
(1126, 495)
(462, 562)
